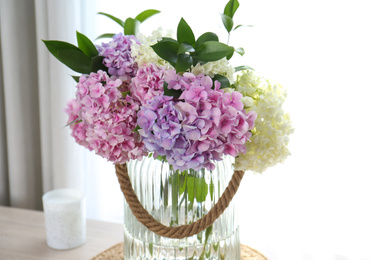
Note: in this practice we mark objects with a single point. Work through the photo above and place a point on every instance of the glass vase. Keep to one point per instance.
(175, 198)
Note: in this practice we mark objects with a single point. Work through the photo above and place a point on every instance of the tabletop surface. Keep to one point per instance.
(22, 236)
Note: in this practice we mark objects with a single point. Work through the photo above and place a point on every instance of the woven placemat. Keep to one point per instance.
(116, 253)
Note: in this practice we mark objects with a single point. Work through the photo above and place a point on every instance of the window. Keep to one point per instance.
(330, 199)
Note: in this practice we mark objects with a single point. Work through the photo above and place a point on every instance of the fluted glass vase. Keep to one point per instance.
(175, 198)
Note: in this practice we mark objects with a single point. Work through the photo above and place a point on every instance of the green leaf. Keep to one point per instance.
(241, 25)
(230, 56)
(124, 95)
(227, 22)
(231, 8)
(184, 62)
(185, 47)
(171, 92)
(206, 37)
(105, 35)
(131, 26)
(201, 189)
(201, 257)
(213, 51)
(211, 189)
(167, 50)
(146, 14)
(76, 121)
(240, 51)
(97, 64)
(161, 158)
(137, 127)
(76, 78)
(151, 249)
(167, 39)
(184, 33)
(191, 188)
(239, 68)
(195, 61)
(208, 233)
(70, 55)
(86, 45)
(182, 183)
(208, 254)
(117, 20)
(225, 83)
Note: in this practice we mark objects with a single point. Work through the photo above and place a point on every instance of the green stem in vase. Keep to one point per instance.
(186, 187)
(208, 233)
(175, 198)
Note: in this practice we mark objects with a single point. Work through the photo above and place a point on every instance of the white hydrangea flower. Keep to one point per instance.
(248, 102)
(212, 68)
(143, 52)
(270, 136)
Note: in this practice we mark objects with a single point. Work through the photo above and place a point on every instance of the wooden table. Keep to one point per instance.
(22, 236)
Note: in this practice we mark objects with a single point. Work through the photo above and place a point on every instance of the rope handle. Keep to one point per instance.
(183, 231)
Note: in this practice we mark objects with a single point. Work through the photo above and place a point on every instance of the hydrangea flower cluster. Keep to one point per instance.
(147, 83)
(144, 54)
(104, 119)
(199, 127)
(270, 136)
(171, 97)
(221, 67)
(117, 55)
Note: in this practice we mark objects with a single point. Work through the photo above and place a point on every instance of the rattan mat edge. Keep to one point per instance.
(116, 253)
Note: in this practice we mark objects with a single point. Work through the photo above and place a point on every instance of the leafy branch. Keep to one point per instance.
(188, 51)
(130, 25)
(83, 58)
(227, 20)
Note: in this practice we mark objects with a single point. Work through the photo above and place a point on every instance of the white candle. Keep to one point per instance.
(65, 219)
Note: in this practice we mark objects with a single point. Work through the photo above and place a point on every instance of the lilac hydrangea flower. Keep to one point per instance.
(199, 127)
(104, 119)
(117, 55)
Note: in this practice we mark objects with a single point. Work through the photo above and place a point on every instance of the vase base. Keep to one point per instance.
(228, 248)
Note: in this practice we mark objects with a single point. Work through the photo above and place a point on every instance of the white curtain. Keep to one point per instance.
(65, 163)
(59, 167)
(37, 152)
(21, 150)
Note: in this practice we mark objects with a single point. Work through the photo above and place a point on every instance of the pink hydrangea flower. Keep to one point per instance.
(78, 127)
(147, 83)
(104, 119)
(199, 127)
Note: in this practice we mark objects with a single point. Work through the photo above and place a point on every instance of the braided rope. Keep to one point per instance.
(183, 231)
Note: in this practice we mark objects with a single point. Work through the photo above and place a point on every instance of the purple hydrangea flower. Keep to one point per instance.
(199, 127)
(117, 55)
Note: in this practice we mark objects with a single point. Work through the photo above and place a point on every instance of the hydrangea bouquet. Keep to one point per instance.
(177, 99)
